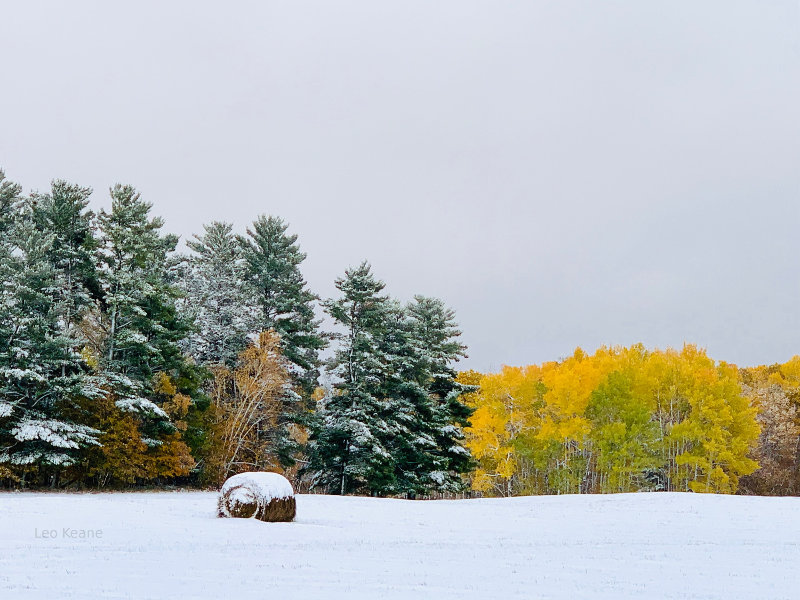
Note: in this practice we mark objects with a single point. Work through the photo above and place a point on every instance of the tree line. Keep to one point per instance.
(633, 419)
(124, 362)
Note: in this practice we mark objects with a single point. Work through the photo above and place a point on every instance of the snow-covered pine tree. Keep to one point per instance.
(284, 304)
(142, 327)
(215, 296)
(62, 213)
(419, 345)
(280, 293)
(41, 375)
(434, 334)
(349, 451)
(410, 408)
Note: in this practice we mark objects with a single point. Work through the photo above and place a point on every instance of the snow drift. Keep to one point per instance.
(264, 496)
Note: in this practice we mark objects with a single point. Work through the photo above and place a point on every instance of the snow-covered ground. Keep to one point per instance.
(170, 545)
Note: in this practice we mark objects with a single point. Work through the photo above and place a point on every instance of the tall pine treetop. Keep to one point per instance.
(131, 237)
(63, 213)
(437, 330)
(361, 302)
(215, 296)
(9, 196)
(217, 245)
(362, 310)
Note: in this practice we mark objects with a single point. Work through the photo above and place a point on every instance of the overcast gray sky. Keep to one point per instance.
(561, 173)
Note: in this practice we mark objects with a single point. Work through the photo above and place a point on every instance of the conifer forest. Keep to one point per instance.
(125, 363)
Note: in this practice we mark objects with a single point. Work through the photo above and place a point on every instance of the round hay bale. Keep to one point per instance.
(263, 496)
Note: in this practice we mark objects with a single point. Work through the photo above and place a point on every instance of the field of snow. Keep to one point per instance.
(170, 545)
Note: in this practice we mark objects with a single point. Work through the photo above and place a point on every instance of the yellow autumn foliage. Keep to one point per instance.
(621, 419)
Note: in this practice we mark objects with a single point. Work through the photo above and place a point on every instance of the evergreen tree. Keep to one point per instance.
(41, 376)
(9, 198)
(63, 215)
(350, 451)
(395, 420)
(435, 337)
(409, 408)
(272, 259)
(215, 297)
(142, 326)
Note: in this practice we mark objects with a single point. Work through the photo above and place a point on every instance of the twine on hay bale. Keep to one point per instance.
(263, 496)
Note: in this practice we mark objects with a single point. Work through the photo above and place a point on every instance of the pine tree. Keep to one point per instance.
(142, 327)
(41, 376)
(409, 407)
(9, 268)
(395, 420)
(9, 198)
(284, 303)
(63, 214)
(215, 297)
(350, 448)
(434, 334)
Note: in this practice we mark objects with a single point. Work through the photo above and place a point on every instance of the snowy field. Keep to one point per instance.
(170, 545)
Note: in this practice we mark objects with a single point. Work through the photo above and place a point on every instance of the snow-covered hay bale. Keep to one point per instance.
(264, 496)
